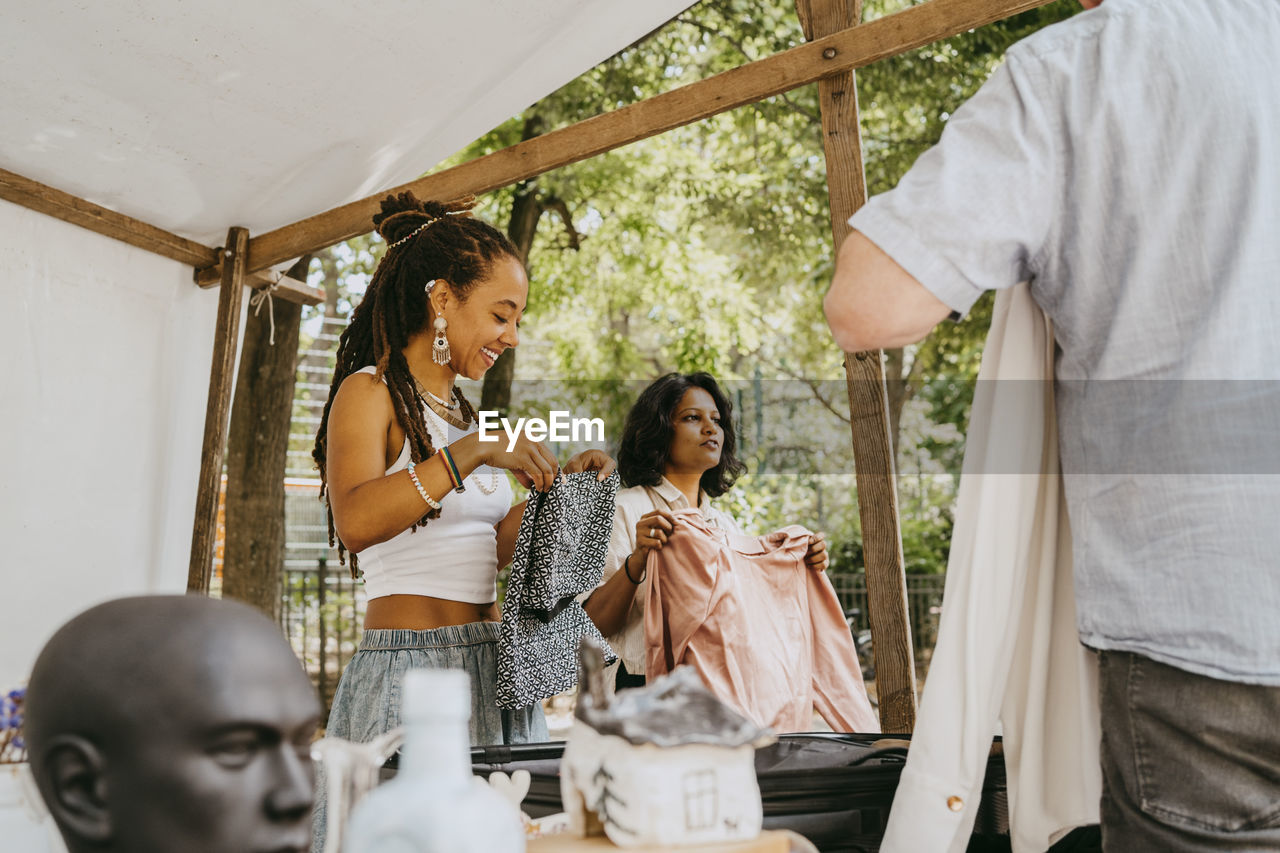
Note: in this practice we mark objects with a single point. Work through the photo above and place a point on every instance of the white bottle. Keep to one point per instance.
(434, 804)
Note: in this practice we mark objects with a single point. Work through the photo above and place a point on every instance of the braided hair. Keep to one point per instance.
(443, 242)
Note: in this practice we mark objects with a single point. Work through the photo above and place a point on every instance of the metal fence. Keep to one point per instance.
(924, 606)
(323, 607)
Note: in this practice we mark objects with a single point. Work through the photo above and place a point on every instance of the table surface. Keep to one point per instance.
(768, 842)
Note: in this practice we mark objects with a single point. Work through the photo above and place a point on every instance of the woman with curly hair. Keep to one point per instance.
(677, 452)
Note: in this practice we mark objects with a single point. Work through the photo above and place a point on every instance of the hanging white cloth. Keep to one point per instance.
(1007, 644)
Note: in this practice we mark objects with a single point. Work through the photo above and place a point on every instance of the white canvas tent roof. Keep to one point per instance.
(197, 116)
(194, 117)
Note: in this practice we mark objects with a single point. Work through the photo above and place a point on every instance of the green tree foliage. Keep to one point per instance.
(709, 248)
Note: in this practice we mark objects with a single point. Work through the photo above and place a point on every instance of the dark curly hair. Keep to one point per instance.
(443, 242)
(649, 428)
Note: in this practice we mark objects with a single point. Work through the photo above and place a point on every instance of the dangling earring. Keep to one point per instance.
(440, 347)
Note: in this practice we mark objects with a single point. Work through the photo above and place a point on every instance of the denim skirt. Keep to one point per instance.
(367, 702)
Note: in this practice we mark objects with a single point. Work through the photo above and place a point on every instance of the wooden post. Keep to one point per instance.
(881, 542)
(868, 400)
(217, 412)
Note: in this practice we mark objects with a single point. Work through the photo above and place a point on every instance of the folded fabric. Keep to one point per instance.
(766, 633)
(559, 554)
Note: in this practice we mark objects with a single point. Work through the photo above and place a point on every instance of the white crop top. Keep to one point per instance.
(455, 556)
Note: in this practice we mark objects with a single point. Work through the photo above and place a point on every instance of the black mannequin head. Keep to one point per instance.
(165, 723)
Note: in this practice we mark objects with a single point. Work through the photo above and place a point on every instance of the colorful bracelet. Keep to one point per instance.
(417, 484)
(451, 467)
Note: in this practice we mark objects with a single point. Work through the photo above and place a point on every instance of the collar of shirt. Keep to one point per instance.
(676, 499)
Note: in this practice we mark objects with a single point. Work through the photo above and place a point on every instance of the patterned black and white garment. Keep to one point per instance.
(560, 551)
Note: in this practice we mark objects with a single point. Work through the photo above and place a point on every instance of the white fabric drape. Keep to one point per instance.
(1007, 645)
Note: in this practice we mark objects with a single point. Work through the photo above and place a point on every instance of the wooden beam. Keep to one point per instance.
(97, 218)
(868, 402)
(284, 287)
(69, 208)
(290, 289)
(843, 51)
(217, 411)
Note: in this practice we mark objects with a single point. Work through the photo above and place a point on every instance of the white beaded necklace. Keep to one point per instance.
(453, 407)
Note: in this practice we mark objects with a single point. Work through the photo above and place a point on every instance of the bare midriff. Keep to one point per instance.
(423, 612)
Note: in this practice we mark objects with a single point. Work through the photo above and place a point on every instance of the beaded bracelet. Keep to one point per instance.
(450, 466)
(417, 484)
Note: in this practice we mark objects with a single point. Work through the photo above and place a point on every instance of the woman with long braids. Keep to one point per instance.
(417, 502)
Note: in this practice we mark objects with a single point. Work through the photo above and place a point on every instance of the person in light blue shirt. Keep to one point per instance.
(1126, 162)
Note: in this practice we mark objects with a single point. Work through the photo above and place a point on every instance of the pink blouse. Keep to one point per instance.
(765, 632)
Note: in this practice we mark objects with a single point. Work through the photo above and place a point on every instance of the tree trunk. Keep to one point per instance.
(257, 446)
(526, 210)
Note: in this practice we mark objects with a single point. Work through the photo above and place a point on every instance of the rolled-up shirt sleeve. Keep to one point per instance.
(622, 541)
(974, 211)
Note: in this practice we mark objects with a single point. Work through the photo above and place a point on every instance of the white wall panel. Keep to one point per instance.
(104, 372)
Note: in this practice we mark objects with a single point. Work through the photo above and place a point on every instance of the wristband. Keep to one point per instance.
(451, 467)
(626, 567)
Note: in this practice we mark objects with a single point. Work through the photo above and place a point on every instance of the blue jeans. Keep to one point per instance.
(1189, 763)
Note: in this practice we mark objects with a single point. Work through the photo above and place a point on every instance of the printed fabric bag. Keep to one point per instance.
(560, 551)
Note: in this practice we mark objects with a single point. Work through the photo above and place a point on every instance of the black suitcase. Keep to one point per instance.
(834, 789)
